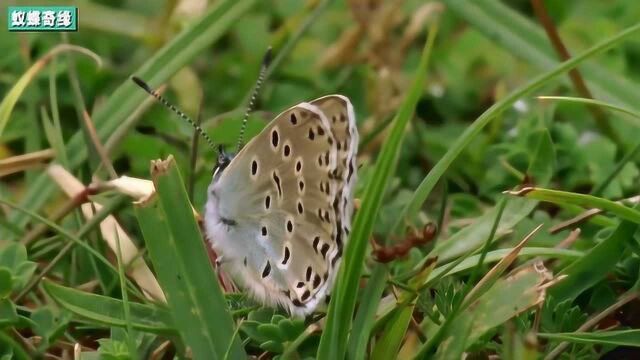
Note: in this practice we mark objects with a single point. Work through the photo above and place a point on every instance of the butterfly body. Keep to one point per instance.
(279, 213)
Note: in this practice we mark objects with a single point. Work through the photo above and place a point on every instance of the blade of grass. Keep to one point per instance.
(593, 321)
(179, 256)
(429, 182)
(126, 307)
(541, 166)
(583, 200)
(166, 62)
(366, 315)
(485, 249)
(615, 337)
(522, 37)
(527, 288)
(588, 270)
(104, 310)
(631, 154)
(89, 225)
(496, 255)
(56, 140)
(575, 75)
(12, 96)
(634, 114)
(333, 343)
(388, 345)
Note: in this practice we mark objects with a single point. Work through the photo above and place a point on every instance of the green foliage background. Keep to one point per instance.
(445, 95)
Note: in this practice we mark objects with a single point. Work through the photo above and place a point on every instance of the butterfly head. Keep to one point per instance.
(224, 159)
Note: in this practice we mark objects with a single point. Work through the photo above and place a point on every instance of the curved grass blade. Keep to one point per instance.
(11, 98)
(615, 337)
(525, 39)
(585, 272)
(429, 182)
(180, 259)
(583, 200)
(540, 168)
(333, 343)
(108, 311)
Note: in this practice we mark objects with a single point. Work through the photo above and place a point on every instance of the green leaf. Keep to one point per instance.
(615, 337)
(49, 323)
(271, 332)
(273, 346)
(184, 271)
(6, 282)
(104, 310)
(113, 350)
(13, 257)
(8, 314)
(525, 288)
(333, 343)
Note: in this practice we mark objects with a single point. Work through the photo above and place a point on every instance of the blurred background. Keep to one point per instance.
(364, 49)
(367, 50)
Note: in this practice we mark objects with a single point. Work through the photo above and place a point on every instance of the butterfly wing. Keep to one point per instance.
(339, 112)
(277, 215)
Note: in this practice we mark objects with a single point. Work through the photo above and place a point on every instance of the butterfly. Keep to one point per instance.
(279, 212)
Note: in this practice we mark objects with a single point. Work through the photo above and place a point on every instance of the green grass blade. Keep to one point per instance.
(630, 155)
(388, 345)
(126, 98)
(496, 255)
(12, 96)
(333, 343)
(429, 182)
(594, 266)
(525, 39)
(108, 311)
(541, 168)
(584, 200)
(366, 315)
(179, 256)
(614, 337)
(126, 306)
(603, 104)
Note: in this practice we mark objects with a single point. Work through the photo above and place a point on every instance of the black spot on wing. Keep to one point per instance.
(266, 270)
(276, 179)
(309, 272)
(287, 254)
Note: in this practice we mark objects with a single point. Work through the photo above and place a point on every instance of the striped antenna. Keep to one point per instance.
(166, 103)
(266, 61)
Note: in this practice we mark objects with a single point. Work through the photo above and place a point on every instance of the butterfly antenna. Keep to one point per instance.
(166, 103)
(266, 61)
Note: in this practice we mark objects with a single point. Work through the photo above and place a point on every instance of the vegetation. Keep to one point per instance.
(474, 120)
